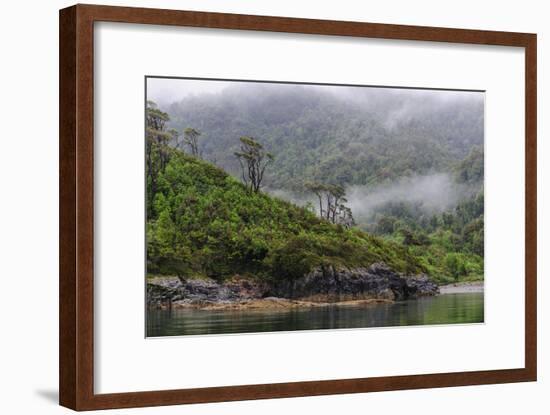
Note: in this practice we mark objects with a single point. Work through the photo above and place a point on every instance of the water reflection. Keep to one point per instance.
(443, 309)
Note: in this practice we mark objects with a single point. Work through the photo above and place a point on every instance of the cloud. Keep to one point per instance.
(165, 91)
(434, 193)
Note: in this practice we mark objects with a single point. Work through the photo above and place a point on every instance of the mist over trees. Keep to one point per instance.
(356, 136)
(406, 165)
(204, 223)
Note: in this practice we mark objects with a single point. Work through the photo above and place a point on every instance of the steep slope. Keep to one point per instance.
(204, 222)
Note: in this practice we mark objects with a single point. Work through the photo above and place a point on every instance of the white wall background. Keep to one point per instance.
(29, 209)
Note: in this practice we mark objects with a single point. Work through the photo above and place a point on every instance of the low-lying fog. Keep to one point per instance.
(435, 193)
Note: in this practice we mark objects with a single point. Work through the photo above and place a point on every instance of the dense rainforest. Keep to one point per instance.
(204, 222)
(352, 178)
(357, 136)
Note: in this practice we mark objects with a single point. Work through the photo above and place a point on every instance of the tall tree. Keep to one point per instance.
(253, 160)
(191, 138)
(332, 203)
(156, 149)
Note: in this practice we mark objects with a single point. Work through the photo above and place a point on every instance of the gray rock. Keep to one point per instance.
(377, 281)
(325, 284)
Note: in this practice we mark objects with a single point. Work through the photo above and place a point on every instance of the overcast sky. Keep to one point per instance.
(165, 91)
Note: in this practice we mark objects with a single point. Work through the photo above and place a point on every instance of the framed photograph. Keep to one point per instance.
(258, 207)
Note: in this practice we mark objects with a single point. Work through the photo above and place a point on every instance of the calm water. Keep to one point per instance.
(443, 309)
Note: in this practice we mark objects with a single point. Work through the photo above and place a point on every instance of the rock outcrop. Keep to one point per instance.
(323, 285)
(202, 292)
(376, 281)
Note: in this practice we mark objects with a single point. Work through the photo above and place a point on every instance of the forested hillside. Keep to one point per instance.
(406, 166)
(202, 222)
(359, 136)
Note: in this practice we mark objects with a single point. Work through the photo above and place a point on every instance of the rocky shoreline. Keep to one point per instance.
(325, 286)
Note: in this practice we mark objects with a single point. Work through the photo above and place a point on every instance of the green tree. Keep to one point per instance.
(253, 160)
(455, 265)
(191, 139)
(332, 199)
(164, 249)
(157, 139)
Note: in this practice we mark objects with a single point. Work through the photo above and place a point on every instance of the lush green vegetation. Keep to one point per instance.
(450, 244)
(361, 137)
(208, 214)
(205, 222)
